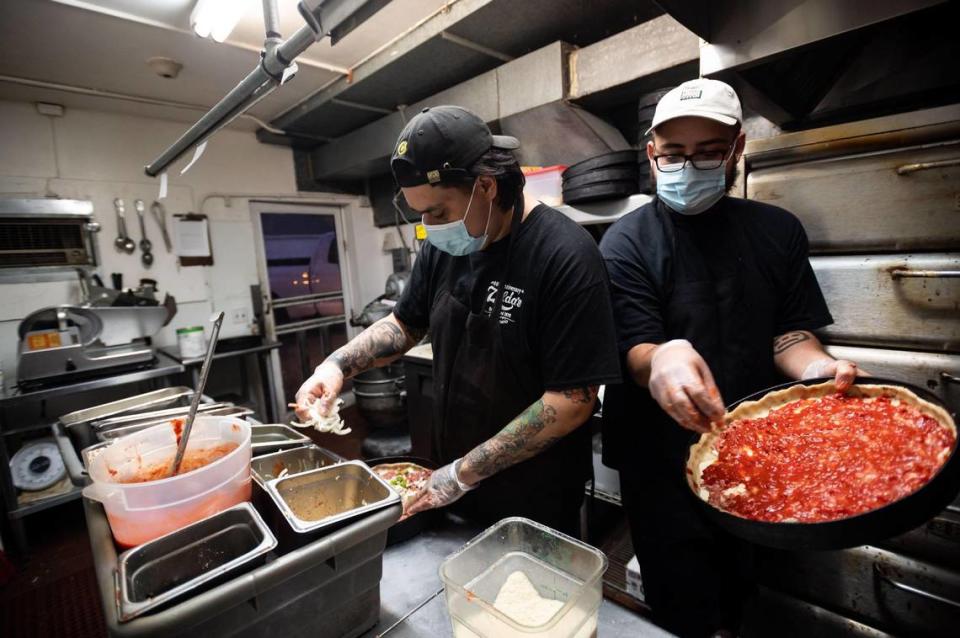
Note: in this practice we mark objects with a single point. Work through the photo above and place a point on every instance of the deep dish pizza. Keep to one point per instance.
(406, 478)
(810, 454)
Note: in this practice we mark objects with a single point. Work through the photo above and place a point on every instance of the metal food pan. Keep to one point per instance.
(117, 432)
(183, 561)
(323, 498)
(153, 415)
(137, 403)
(267, 467)
(272, 437)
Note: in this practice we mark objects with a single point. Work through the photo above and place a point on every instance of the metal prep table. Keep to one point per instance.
(14, 397)
(411, 574)
(260, 353)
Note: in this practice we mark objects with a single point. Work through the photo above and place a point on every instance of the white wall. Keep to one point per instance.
(99, 156)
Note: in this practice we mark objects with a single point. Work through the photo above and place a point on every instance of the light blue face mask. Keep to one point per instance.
(454, 238)
(690, 191)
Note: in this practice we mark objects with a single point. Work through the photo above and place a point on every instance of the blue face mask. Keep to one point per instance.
(690, 191)
(454, 238)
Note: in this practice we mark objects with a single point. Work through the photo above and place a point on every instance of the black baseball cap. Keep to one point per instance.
(440, 143)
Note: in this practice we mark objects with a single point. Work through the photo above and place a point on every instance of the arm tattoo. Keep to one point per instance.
(582, 395)
(516, 442)
(788, 340)
(382, 340)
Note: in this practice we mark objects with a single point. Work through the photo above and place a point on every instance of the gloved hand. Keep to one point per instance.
(842, 371)
(324, 385)
(443, 488)
(681, 382)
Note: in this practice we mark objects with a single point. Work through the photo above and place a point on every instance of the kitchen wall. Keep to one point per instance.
(99, 156)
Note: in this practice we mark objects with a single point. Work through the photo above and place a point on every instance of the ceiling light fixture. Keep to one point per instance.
(217, 18)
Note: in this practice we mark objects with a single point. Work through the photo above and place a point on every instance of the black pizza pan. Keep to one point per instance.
(600, 161)
(625, 172)
(410, 527)
(605, 190)
(870, 527)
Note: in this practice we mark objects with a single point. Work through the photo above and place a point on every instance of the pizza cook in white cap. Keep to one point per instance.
(714, 299)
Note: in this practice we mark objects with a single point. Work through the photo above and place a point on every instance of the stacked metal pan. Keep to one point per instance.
(608, 176)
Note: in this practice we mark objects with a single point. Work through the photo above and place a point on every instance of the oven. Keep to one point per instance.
(880, 201)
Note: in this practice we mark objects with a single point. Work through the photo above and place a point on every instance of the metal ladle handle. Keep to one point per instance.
(197, 393)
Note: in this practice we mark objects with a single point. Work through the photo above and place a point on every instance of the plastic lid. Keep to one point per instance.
(537, 170)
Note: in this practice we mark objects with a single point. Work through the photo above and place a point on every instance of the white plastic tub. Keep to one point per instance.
(545, 184)
(559, 567)
(139, 512)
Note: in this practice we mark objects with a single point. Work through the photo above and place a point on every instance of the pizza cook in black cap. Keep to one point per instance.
(514, 296)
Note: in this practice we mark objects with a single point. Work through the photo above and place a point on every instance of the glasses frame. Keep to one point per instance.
(689, 158)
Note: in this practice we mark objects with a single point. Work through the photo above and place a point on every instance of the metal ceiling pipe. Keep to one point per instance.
(323, 17)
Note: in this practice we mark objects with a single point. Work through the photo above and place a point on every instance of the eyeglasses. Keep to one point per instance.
(704, 161)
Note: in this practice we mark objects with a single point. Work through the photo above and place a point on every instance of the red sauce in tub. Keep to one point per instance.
(192, 460)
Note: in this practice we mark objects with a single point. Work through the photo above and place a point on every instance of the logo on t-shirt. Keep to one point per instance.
(512, 301)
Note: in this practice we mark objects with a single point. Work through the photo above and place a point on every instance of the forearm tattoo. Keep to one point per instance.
(581, 396)
(383, 340)
(788, 340)
(516, 442)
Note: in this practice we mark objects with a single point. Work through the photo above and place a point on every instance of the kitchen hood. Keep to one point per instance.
(809, 63)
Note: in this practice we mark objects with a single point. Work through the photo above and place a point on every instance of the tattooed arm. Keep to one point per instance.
(378, 345)
(546, 421)
(799, 355)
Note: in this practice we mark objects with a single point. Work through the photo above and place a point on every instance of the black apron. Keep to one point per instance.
(479, 388)
(729, 326)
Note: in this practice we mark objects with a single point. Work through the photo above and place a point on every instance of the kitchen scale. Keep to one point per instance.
(37, 466)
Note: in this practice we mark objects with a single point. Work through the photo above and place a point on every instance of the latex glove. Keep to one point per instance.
(681, 382)
(842, 371)
(443, 488)
(324, 385)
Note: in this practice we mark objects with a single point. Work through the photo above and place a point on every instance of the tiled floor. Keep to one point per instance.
(54, 591)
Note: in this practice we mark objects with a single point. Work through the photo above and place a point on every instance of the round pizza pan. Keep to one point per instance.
(601, 161)
(605, 190)
(412, 526)
(627, 171)
(870, 527)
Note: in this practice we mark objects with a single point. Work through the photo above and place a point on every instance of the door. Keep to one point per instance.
(302, 271)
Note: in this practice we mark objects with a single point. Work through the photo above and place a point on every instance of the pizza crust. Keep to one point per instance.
(704, 452)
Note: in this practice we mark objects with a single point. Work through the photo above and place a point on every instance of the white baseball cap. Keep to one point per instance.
(711, 99)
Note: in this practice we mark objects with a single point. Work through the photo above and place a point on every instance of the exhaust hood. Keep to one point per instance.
(807, 63)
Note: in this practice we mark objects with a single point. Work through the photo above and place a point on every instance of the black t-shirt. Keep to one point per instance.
(555, 315)
(654, 272)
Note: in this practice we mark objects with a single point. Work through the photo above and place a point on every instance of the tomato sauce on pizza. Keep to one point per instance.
(824, 458)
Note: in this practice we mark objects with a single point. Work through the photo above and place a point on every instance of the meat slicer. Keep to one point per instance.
(71, 342)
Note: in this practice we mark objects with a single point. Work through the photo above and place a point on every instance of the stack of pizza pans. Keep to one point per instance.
(608, 176)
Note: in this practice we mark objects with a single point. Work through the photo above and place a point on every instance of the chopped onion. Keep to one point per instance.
(329, 424)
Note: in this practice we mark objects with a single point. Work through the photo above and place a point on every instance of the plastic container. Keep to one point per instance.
(191, 342)
(545, 184)
(139, 512)
(558, 566)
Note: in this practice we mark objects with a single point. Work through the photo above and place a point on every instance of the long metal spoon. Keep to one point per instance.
(197, 393)
(146, 258)
(120, 243)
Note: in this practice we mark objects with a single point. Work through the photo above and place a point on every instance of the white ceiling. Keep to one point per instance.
(104, 44)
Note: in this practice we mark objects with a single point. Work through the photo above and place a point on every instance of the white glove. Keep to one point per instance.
(842, 371)
(443, 488)
(681, 382)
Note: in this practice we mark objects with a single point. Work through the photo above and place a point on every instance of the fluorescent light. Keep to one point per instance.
(217, 18)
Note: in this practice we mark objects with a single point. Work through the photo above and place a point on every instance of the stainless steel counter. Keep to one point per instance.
(410, 575)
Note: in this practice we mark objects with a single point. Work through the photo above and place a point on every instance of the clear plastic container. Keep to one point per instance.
(141, 511)
(559, 567)
(545, 184)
